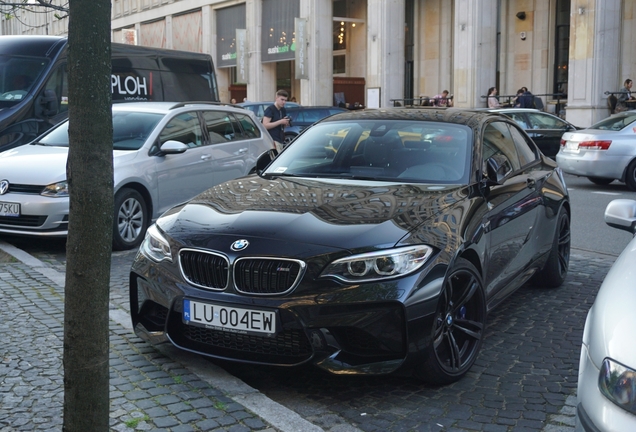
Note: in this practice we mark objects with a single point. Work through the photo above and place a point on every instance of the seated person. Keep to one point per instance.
(442, 100)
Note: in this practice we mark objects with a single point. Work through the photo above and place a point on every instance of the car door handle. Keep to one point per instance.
(536, 135)
(243, 150)
(206, 156)
(531, 183)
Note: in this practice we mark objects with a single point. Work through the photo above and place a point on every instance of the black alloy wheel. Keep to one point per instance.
(458, 329)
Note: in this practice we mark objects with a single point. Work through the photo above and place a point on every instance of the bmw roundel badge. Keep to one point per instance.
(239, 245)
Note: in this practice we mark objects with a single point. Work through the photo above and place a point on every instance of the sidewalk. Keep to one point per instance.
(166, 389)
(158, 389)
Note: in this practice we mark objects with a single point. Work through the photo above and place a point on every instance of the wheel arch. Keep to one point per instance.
(473, 257)
(145, 194)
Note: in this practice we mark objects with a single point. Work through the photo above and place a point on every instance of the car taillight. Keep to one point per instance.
(595, 145)
(563, 142)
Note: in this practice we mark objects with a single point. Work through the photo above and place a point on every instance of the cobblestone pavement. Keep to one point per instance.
(524, 379)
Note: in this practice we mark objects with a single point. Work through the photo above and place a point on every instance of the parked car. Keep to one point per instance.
(306, 116)
(34, 81)
(606, 397)
(258, 108)
(164, 153)
(545, 129)
(376, 243)
(604, 152)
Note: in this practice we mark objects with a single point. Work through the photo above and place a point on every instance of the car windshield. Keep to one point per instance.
(130, 131)
(17, 76)
(384, 150)
(616, 123)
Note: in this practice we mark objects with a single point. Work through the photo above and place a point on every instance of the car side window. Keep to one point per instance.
(498, 142)
(543, 121)
(520, 118)
(219, 126)
(296, 115)
(250, 130)
(184, 128)
(312, 116)
(527, 151)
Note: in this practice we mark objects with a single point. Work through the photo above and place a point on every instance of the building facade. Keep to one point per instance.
(380, 53)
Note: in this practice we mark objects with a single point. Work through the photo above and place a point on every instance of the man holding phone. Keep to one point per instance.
(275, 118)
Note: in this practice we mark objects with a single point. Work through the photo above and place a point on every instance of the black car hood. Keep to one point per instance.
(345, 215)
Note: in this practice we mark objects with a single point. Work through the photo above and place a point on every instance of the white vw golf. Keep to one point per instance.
(164, 153)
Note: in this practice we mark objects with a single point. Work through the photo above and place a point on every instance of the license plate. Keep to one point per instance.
(570, 145)
(9, 209)
(228, 318)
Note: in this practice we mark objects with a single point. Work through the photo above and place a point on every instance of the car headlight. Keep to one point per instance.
(379, 265)
(56, 190)
(618, 384)
(155, 246)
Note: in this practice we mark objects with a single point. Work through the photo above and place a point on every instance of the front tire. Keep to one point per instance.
(630, 176)
(458, 327)
(130, 220)
(556, 268)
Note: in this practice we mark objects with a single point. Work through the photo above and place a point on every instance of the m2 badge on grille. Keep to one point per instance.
(231, 319)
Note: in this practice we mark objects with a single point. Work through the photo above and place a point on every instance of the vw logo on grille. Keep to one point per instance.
(239, 245)
(4, 186)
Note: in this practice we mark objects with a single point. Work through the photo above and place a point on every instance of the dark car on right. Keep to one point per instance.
(544, 128)
(304, 116)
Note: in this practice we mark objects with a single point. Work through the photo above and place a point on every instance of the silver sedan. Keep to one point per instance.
(607, 368)
(604, 152)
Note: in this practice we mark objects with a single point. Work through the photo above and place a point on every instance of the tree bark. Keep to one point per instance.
(89, 173)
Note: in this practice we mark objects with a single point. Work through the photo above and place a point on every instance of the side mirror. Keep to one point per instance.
(497, 167)
(621, 214)
(264, 160)
(173, 147)
(47, 104)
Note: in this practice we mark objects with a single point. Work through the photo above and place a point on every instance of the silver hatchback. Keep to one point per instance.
(164, 153)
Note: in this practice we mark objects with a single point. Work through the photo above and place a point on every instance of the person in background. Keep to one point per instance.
(275, 118)
(526, 99)
(493, 101)
(293, 99)
(624, 94)
(442, 100)
(233, 101)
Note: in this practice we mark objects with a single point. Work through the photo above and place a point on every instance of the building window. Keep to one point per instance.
(339, 64)
(562, 51)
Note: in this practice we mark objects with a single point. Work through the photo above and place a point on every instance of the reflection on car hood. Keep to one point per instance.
(345, 215)
(612, 321)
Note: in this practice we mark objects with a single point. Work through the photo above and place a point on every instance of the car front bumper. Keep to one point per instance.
(352, 329)
(39, 215)
(594, 412)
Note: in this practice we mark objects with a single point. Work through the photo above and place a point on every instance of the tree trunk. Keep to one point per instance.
(89, 172)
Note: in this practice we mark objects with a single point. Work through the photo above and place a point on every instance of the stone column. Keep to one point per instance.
(594, 59)
(474, 51)
(318, 89)
(385, 48)
(261, 84)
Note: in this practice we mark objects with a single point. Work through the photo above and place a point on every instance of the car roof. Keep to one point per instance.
(288, 104)
(305, 107)
(165, 107)
(463, 116)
